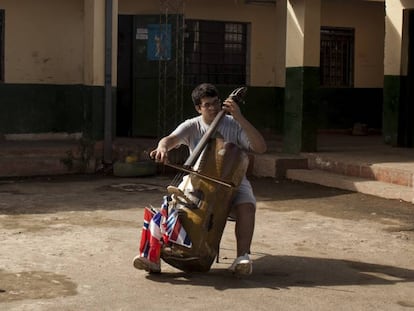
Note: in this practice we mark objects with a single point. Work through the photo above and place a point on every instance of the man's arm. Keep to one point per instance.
(256, 139)
(164, 145)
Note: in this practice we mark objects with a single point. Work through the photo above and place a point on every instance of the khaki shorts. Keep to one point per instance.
(244, 194)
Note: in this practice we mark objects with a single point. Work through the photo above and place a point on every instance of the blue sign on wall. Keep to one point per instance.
(159, 42)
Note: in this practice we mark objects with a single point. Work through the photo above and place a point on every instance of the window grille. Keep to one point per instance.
(215, 52)
(337, 57)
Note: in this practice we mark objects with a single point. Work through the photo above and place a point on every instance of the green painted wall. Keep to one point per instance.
(36, 108)
(392, 97)
(301, 109)
(40, 108)
(398, 129)
(309, 108)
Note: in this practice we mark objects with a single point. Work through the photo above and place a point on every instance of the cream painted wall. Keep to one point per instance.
(394, 24)
(134, 7)
(295, 33)
(263, 28)
(49, 43)
(43, 41)
(303, 33)
(396, 41)
(57, 41)
(368, 20)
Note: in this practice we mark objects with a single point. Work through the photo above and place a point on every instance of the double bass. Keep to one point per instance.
(203, 196)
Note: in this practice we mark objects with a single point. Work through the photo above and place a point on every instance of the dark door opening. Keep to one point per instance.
(137, 89)
(124, 88)
(406, 111)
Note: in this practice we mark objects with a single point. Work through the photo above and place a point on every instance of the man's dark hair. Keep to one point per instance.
(203, 90)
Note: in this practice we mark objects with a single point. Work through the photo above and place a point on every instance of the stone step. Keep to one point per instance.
(13, 166)
(275, 165)
(40, 158)
(38, 165)
(372, 187)
(399, 173)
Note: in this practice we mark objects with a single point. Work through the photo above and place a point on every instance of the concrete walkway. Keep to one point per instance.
(356, 163)
(363, 164)
(67, 243)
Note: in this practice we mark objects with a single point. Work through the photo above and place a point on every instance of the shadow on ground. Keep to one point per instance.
(89, 193)
(283, 272)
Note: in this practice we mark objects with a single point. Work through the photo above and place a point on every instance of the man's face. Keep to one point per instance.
(209, 108)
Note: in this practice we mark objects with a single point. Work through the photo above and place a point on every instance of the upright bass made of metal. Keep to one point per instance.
(203, 196)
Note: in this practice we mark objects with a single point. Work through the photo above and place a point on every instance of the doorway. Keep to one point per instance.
(137, 92)
(124, 71)
(406, 110)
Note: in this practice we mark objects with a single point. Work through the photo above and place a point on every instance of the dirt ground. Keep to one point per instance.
(67, 243)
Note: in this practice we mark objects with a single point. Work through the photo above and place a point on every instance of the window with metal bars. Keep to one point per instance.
(337, 57)
(2, 22)
(215, 52)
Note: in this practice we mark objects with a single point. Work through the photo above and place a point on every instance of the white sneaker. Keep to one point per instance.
(242, 265)
(143, 263)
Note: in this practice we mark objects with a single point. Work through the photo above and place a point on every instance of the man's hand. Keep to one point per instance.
(160, 155)
(232, 108)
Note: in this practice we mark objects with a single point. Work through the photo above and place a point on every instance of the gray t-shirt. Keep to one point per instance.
(191, 130)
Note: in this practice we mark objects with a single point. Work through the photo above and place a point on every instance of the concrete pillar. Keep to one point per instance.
(393, 70)
(280, 50)
(302, 75)
(94, 66)
(94, 45)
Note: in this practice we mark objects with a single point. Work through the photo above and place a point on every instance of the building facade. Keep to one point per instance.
(127, 67)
